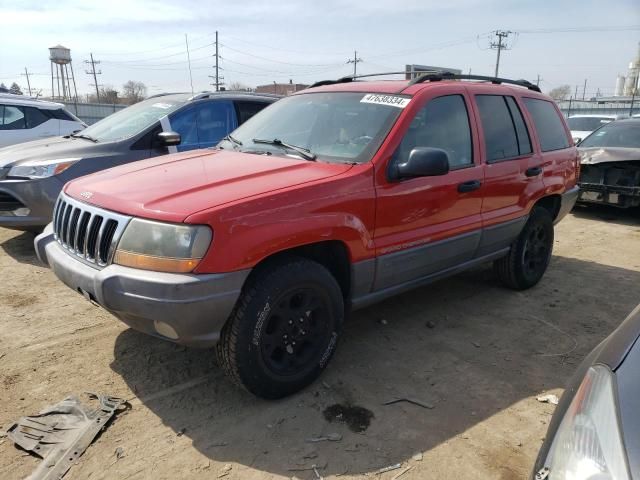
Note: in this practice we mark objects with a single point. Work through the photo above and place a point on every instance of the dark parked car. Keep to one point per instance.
(610, 164)
(595, 430)
(33, 173)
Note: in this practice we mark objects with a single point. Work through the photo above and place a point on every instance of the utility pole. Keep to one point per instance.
(186, 41)
(355, 62)
(584, 89)
(575, 95)
(93, 72)
(26, 74)
(499, 46)
(217, 76)
(538, 80)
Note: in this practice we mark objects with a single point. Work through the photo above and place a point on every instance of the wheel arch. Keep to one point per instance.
(331, 254)
(551, 203)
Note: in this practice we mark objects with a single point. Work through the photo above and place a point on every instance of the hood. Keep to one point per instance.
(594, 155)
(172, 187)
(45, 149)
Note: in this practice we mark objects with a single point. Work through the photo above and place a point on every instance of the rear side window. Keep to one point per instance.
(246, 110)
(11, 118)
(442, 123)
(548, 124)
(59, 114)
(505, 133)
(34, 117)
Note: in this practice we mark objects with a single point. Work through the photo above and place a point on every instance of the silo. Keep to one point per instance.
(619, 91)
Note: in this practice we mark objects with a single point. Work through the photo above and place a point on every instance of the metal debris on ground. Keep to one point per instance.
(389, 468)
(399, 474)
(61, 433)
(332, 437)
(410, 400)
(315, 470)
(119, 453)
(418, 457)
(226, 470)
(550, 398)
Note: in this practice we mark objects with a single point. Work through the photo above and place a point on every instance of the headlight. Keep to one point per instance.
(41, 168)
(162, 247)
(588, 444)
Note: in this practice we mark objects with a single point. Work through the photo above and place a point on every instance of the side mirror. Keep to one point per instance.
(423, 162)
(168, 139)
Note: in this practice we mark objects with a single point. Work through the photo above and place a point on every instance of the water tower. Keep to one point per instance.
(60, 64)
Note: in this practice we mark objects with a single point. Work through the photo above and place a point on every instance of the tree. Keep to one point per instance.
(3, 88)
(134, 91)
(15, 89)
(107, 95)
(239, 87)
(560, 93)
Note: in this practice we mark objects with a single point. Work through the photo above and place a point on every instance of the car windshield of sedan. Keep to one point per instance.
(340, 127)
(587, 124)
(623, 135)
(131, 120)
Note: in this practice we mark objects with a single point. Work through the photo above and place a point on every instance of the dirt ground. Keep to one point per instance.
(476, 353)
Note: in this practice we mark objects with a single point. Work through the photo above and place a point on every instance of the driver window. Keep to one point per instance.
(442, 123)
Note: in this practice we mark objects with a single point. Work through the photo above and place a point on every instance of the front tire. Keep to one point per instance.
(284, 329)
(530, 254)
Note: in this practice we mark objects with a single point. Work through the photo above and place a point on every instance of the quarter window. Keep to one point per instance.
(34, 117)
(11, 118)
(548, 124)
(442, 123)
(246, 110)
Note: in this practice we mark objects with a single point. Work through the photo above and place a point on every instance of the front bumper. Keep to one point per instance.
(616, 195)
(38, 196)
(567, 202)
(186, 309)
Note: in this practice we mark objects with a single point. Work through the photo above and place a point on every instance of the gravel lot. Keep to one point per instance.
(476, 353)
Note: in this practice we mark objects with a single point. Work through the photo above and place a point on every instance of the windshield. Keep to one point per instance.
(132, 120)
(623, 134)
(587, 124)
(332, 127)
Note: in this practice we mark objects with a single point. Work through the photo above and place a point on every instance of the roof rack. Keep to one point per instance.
(432, 76)
(436, 77)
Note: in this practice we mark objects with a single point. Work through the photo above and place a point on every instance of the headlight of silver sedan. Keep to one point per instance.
(162, 247)
(588, 443)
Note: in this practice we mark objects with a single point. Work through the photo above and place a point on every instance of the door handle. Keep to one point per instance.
(533, 171)
(469, 186)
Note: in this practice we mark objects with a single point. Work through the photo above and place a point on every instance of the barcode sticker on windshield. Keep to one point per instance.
(391, 100)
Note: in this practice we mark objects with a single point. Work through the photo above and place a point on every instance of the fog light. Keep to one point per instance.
(21, 212)
(165, 330)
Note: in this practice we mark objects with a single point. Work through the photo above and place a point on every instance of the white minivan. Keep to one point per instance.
(24, 118)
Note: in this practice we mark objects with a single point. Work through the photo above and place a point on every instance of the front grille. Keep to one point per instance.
(90, 233)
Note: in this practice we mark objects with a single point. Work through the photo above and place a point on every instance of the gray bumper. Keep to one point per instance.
(183, 308)
(39, 196)
(567, 202)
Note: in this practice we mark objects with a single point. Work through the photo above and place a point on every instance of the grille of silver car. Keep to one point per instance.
(87, 232)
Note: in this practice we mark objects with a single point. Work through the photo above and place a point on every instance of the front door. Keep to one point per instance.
(429, 224)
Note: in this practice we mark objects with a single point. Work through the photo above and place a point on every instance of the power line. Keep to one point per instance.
(499, 45)
(355, 60)
(93, 72)
(279, 61)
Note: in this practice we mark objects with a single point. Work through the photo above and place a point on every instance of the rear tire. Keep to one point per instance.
(284, 328)
(530, 254)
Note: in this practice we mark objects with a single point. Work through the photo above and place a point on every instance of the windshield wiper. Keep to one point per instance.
(233, 140)
(85, 136)
(303, 152)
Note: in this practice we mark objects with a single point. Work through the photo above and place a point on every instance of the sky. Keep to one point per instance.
(563, 42)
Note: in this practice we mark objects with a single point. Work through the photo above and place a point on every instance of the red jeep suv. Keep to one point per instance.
(328, 200)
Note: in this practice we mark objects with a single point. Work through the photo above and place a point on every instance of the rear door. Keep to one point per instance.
(559, 155)
(428, 224)
(513, 166)
(13, 125)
